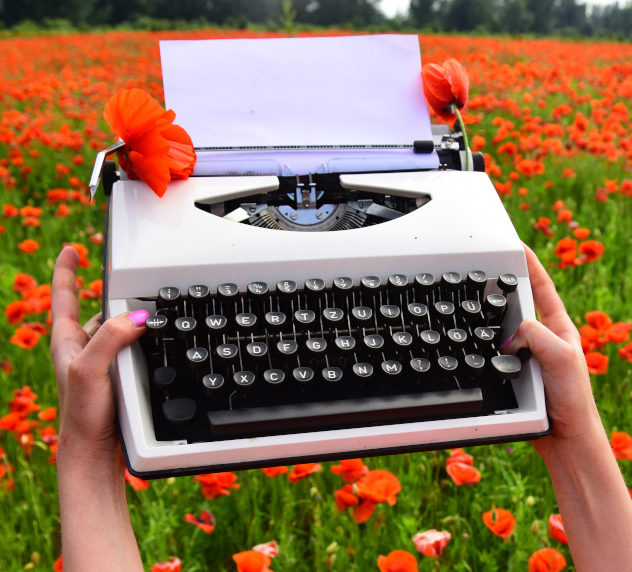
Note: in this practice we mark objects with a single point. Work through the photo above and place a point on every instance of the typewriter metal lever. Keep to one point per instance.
(99, 164)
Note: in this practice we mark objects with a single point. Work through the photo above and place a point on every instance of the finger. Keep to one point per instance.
(67, 336)
(548, 304)
(93, 324)
(91, 366)
(543, 343)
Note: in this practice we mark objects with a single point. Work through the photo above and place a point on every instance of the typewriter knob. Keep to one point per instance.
(507, 283)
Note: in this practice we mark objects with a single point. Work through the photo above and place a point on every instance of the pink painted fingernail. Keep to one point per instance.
(138, 316)
(506, 343)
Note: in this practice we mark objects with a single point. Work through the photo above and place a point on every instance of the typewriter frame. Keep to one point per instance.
(148, 458)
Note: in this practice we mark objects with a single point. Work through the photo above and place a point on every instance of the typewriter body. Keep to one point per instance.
(319, 315)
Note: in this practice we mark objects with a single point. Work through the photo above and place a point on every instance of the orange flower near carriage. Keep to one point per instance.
(252, 561)
(556, 528)
(621, 444)
(446, 87)
(156, 150)
(397, 561)
(303, 470)
(272, 472)
(432, 542)
(173, 565)
(500, 521)
(205, 521)
(217, 484)
(597, 362)
(350, 469)
(460, 468)
(546, 560)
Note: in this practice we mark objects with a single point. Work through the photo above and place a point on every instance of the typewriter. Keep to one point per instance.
(320, 313)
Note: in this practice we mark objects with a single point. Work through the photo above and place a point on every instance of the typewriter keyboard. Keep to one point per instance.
(263, 359)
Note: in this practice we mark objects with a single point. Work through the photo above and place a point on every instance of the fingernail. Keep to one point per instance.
(138, 316)
(506, 342)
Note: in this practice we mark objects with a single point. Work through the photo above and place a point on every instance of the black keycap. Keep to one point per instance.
(417, 312)
(450, 281)
(156, 326)
(256, 351)
(287, 295)
(179, 410)
(244, 379)
(303, 375)
(246, 321)
(396, 284)
(199, 294)
(342, 288)
(424, 283)
(389, 315)
(370, 288)
(401, 342)
(392, 368)
(444, 312)
(494, 305)
(316, 347)
(484, 338)
(507, 366)
(334, 318)
(362, 370)
(185, 327)
(258, 296)
(197, 358)
(305, 319)
(470, 311)
(420, 366)
(168, 297)
(457, 337)
(274, 377)
(448, 365)
(362, 316)
(332, 376)
(507, 283)
(228, 294)
(214, 385)
(475, 283)
(275, 321)
(430, 339)
(286, 348)
(344, 346)
(474, 365)
(164, 378)
(227, 353)
(373, 343)
(314, 291)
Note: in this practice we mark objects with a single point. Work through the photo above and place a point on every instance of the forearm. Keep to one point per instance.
(96, 529)
(594, 502)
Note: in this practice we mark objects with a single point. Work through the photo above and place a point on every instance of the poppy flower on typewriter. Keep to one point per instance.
(446, 86)
(156, 151)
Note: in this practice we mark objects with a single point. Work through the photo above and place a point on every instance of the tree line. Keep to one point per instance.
(536, 17)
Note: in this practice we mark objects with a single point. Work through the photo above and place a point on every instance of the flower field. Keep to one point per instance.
(555, 123)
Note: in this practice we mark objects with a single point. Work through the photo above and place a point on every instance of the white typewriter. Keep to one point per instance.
(314, 299)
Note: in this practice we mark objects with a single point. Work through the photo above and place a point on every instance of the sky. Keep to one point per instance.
(392, 7)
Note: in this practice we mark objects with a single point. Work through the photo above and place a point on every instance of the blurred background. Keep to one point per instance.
(571, 18)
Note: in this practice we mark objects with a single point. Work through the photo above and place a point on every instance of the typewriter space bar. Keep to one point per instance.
(323, 415)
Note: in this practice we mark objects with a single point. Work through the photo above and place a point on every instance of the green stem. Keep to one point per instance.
(465, 141)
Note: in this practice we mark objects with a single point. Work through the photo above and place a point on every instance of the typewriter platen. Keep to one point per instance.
(319, 316)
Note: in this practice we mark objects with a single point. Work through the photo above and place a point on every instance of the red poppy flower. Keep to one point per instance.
(15, 311)
(597, 363)
(463, 473)
(173, 565)
(397, 561)
(350, 469)
(156, 150)
(270, 549)
(217, 484)
(625, 353)
(345, 497)
(302, 470)
(204, 521)
(58, 565)
(556, 528)
(23, 281)
(500, 521)
(48, 414)
(25, 338)
(591, 250)
(136, 483)
(28, 246)
(274, 471)
(252, 561)
(446, 86)
(546, 560)
(621, 444)
(431, 542)
(379, 486)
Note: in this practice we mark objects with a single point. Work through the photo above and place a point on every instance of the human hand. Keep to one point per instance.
(555, 342)
(81, 357)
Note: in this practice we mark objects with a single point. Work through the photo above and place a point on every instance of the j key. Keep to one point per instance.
(287, 294)
(246, 321)
(374, 343)
(156, 326)
(494, 306)
(342, 288)
(362, 317)
(417, 312)
(507, 283)
(389, 315)
(185, 328)
(474, 365)
(444, 312)
(179, 410)
(475, 284)
(370, 288)
(507, 366)
(275, 321)
(314, 291)
(197, 359)
(214, 385)
(258, 295)
(424, 283)
(228, 295)
(305, 320)
(164, 378)
(470, 311)
(334, 318)
(216, 325)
